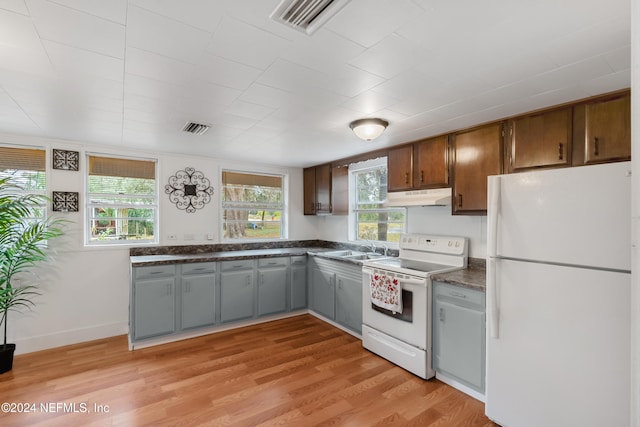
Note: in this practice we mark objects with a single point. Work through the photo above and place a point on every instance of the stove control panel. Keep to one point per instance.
(432, 243)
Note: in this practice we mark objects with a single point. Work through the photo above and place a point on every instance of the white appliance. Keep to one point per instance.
(404, 337)
(558, 292)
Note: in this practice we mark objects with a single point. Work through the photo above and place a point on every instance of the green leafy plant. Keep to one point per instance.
(23, 244)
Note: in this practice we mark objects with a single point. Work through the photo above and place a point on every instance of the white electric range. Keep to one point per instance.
(404, 337)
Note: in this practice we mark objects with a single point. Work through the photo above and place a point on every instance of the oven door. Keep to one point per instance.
(410, 326)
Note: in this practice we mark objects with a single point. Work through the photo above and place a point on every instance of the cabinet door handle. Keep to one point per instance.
(596, 146)
(248, 281)
(406, 177)
(441, 314)
(459, 200)
(421, 176)
(168, 289)
(339, 284)
(187, 286)
(560, 151)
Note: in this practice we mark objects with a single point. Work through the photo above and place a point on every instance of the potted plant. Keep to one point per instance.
(23, 244)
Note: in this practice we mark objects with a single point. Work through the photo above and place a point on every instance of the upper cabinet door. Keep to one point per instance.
(431, 168)
(477, 154)
(608, 130)
(400, 168)
(309, 191)
(540, 140)
(323, 188)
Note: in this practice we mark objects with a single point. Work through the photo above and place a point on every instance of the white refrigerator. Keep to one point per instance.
(558, 297)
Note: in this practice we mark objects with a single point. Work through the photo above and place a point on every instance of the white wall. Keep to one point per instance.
(422, 219)
(85, 290)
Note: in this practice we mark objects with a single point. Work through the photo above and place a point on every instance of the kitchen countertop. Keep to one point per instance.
(149, 260)
(474, 276)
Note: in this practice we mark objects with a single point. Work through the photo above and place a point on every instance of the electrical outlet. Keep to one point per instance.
(172, 237)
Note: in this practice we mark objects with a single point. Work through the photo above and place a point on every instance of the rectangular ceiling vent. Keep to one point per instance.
(306, 15)
(195, 128)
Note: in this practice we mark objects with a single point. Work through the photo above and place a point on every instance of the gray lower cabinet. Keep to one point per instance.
(349, 301)
(154, 305)
(237, 290)
(298, 282)
(323, 291)
(272, 285)
(169, 299)
(198, 296)
(336, 292)
(459, 334)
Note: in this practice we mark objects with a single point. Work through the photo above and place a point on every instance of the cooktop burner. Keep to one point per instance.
(423, 255)
(422, 266)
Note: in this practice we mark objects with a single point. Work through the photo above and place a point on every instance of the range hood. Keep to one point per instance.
(430, 197)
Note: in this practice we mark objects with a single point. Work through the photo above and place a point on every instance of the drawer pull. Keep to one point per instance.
(441, 314)
(457, 295)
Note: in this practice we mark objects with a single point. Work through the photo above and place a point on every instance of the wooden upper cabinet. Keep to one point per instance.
(540, 140)
(326, 190)
(400, 168)
(477, 154)
(340, 190)
(309, 176)
(431, 166)
(323, 189)
(608, 130)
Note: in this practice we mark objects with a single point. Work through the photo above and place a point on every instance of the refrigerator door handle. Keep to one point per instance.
(492, 249)
(492, 300)
(493, 212)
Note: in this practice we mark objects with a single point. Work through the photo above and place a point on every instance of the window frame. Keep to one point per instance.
(284, 217)
(88, 206)
(354, 170)
(44, 192)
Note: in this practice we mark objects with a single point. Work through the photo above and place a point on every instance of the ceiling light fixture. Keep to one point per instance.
(368, 129)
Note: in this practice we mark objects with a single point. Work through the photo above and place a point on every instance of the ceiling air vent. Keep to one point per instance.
(195, 128)
(306, 15)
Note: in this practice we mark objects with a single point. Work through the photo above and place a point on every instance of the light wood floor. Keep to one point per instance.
(298, 371)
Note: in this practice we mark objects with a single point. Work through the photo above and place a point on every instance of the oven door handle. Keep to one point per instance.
(403, 279)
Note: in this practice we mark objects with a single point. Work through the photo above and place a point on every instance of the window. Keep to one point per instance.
(27, 166)
(370, 220)
(121, 200)
(253, 205)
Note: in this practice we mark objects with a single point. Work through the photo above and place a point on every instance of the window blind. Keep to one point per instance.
(113, 166)
(30, 159)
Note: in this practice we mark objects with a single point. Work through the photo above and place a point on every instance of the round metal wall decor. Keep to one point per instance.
(189, 190)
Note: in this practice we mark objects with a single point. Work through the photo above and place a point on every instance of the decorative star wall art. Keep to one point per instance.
(189, 190)
(66, 160)
(65, 201)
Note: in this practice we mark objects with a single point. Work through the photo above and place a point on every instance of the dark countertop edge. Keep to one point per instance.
(162, 259)
(473, 277)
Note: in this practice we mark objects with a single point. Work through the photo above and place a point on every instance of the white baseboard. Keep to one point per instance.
(75, 336)
(337, 325)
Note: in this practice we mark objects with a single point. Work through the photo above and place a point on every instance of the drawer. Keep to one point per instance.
(245, 264)
(459, 294)
(199, 268)
(299, 260)
(154, 271)
(273, 262)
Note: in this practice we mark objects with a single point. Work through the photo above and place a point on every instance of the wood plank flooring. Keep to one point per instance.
(298, 371)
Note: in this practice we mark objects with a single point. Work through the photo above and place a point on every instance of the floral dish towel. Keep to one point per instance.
(386, 292)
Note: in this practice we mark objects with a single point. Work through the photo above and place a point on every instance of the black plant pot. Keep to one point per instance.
(6, 357)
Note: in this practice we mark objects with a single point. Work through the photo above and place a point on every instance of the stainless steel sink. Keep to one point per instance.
(350, 255)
